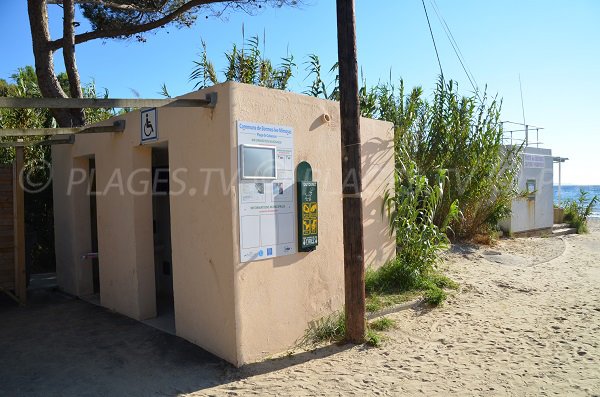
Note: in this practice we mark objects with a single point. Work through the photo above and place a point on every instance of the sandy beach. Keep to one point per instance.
(525, 321)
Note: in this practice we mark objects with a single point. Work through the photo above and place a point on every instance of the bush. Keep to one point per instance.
(578, 211)
(382, 324)
(327, 329)
(372, 338)
(435, 296)
(462, 135)
(411, 210)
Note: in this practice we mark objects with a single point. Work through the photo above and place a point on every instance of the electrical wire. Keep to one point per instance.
(455, 47)
(433, 39)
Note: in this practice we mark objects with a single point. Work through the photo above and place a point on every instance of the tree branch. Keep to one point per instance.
(69, 58)
(128, 31)
(44, 64)
(109, 4)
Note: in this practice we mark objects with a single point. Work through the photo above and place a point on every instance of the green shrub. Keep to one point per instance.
(332, 329)
(442, 281)
(462, 135)
(578, 211)
(327, 329)
(411, 210)
(388, 284)
(382, 324)
(373, 338)
(376, 301)
(435, 296)
(245, 65)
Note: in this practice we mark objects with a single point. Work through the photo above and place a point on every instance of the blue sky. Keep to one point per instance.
(552, 45)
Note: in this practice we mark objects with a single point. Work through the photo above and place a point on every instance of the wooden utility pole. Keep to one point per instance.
(354, 271)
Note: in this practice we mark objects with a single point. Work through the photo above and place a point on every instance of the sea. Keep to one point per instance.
(571, 192)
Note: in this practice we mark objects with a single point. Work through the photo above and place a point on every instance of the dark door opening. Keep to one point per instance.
(94, 227)
(163, 271)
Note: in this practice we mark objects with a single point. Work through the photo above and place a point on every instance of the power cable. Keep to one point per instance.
(455, 47)
(433, 39)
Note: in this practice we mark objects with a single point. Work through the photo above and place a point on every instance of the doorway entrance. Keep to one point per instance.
(161, 214)
(94, 227)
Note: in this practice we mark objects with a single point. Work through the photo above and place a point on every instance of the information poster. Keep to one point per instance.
(533, 161)
(267, 206)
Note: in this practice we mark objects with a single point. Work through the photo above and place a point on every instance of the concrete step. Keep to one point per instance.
(560, 226)
(564, 231)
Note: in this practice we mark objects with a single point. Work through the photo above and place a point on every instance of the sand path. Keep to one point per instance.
(529, 327)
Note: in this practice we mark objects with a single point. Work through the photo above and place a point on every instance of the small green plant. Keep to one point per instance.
(330, 328)
(395, 283)
(373, 338)
(442, 281)
(578, 211)
(376, 302)
(435, 296)
(382, 324)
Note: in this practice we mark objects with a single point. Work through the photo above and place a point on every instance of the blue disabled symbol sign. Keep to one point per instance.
(149, 126)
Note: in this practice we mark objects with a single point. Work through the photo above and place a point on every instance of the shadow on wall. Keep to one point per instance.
(378, 176)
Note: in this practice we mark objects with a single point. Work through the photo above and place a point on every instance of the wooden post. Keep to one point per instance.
(19, 227)
(354, 271)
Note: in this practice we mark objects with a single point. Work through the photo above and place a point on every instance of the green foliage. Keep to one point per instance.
(318, 88)
(578, 211)
(462, 135)
(164, 91)
(245, 65)
(396, 282)
(378, 301)
(382, 324)
(332, 328)
(327, 329)
(38, 196)
(411, 210)
(24, 85)
(442, 281)
(373, 338)
(435, 296)
(123, 18)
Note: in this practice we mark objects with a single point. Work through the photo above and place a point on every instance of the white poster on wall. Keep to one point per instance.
(266, 191)
(533, 160)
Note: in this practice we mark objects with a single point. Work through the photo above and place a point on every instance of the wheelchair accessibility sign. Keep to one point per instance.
(149, 126)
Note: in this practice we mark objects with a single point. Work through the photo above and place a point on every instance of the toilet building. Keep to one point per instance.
(533, 211)
(223, 223)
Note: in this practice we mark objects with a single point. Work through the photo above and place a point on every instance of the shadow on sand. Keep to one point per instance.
(60, 345)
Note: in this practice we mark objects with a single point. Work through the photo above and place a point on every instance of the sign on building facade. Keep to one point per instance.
(266, 191)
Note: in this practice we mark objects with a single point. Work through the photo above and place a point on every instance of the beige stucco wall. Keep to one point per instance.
(276, 298)
(377, 152)
(201, 255)
(239, 311)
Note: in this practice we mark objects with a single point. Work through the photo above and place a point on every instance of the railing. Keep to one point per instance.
(521, 136)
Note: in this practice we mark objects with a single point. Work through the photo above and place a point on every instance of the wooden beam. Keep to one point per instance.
(108, 103)
(19, 228)
(61, 140)
(354, 270)
(117, 126)
(10, 294)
